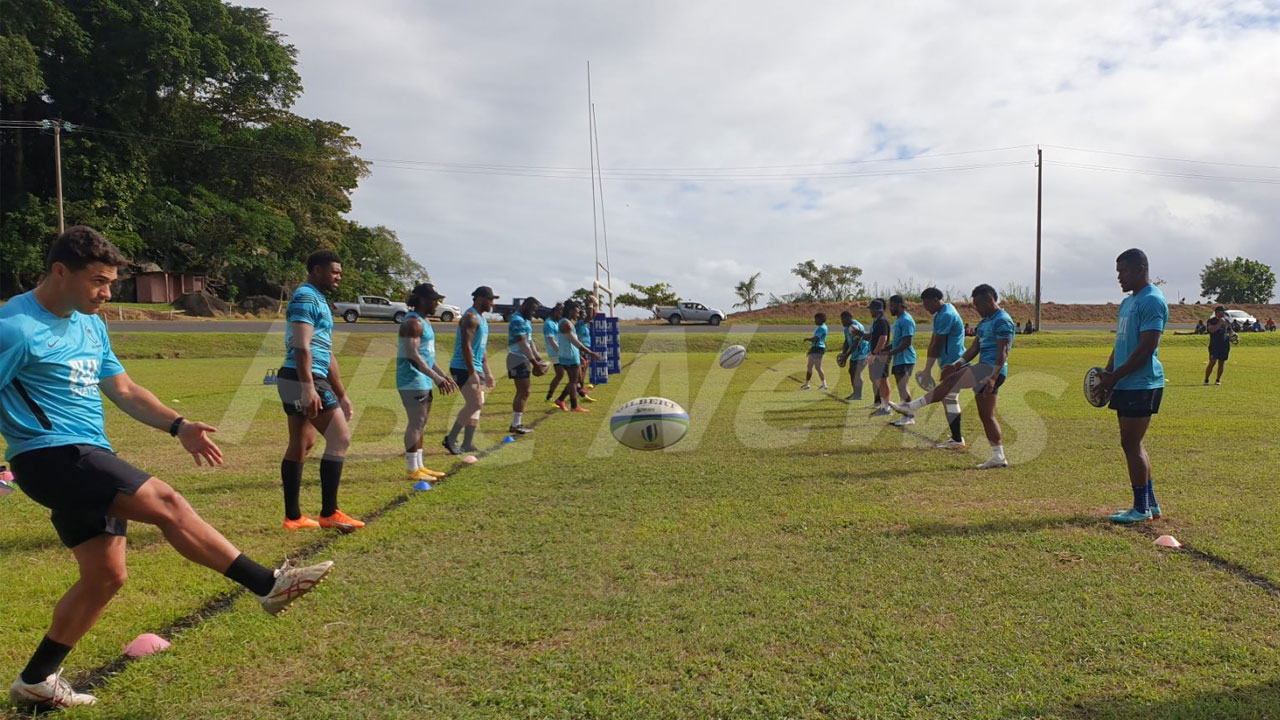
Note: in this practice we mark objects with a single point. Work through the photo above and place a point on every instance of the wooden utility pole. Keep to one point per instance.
(57, 163)
(1039, 195)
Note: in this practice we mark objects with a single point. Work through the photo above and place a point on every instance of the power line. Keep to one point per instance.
(1168, 159)
(1162, 173)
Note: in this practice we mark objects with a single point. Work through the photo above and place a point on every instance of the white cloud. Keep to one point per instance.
(697, 84)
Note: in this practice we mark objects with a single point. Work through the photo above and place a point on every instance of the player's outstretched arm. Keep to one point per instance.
(142, 405)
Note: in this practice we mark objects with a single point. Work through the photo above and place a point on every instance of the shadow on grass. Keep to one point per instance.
(1256, 702)
(997, 527)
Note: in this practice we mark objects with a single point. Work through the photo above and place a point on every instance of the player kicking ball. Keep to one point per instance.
(992, 343)
(55, 364)
(1135, 377)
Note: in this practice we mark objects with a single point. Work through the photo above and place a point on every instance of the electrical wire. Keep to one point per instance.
(1162, 173)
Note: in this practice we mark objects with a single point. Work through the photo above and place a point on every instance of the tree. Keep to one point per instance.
(829, 283)
(746, 290)
(648, 296)
(580, 295)
(1237, 281)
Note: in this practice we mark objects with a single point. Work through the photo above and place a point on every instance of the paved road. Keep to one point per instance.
(250, 326)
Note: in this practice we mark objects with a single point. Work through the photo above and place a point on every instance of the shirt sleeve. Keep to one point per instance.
(943, 323)
(1152, 315)
(303, 308)
(13, 351)
(110, 363)
(1004, 330)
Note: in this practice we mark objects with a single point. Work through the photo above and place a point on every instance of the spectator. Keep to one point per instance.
(1200, 328)
(1257, 325)
(968, 331)
(1030, 328)
(1271, 325)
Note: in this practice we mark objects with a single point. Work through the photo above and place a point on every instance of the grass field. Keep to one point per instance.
(790, 558)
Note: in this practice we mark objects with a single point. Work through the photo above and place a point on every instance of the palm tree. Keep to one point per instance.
(747, 291)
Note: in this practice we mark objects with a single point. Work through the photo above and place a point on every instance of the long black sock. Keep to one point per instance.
(954, 422)
(291, 480)
(45, 662)
(250, 574)
(573, 401)
(453, 434)
(330, 476)
(469, 436)
(563, 394)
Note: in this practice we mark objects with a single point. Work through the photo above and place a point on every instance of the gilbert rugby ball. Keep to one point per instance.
(649, 423)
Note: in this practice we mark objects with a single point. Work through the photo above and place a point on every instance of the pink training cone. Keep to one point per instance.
(146, 644)
(1168, 541)
(469, 459)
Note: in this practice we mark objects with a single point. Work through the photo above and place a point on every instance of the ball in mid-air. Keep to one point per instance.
(732, 357)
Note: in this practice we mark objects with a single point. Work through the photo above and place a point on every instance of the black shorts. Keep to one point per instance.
(1136, 403)
(817, 351)
(1220, 353)
(290, 391)
(568, 366)
(415, 397)
(518, 368)
(903, 370)
(460, 377)
(78, 483)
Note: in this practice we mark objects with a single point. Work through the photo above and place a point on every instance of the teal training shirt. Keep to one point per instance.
(569, 353)
(904, 328)
(409, 377)
(309, 306)
(948, 324)
(549, 334)
(995, 327)
(478, 343)
(49, 372)
(518, 330)
(1141, 312)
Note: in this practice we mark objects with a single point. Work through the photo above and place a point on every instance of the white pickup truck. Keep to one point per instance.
(372, 306)
(688, 312)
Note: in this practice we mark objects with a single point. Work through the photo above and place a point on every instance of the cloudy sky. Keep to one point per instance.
(743, 137)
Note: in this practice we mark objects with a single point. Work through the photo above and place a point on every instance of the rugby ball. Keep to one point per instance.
(732, 357)
(1093, 390)
(649, 423)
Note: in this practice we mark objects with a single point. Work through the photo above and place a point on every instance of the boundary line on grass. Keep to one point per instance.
(97, 677)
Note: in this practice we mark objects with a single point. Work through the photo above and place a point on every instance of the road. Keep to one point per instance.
(250, 326)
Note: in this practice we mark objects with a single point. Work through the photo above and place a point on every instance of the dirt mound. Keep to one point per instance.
(258, 304)
(1103, 314)
(202, 304)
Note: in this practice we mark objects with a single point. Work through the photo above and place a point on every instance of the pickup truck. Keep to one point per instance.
(372, 306)
(688, 312)
(506, 310)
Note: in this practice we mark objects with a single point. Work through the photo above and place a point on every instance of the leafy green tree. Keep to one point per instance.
(1237, 281)
(828, 283)
(746, 291)
(184, 151)
(648, 296)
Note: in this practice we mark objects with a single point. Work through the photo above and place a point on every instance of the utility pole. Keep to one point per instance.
(1039, 196)
(57, 163)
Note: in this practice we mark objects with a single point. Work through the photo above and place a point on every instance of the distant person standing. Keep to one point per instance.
(1219, 343)
(470, 369)
(855, 352)
(878, 361)
(904, 354)
(417, 375)
(550, 333)
(572, 350)
(945, 348)
(1135, 377)
(522, 356)
(582, 330)
(817, 348)
(314, 398)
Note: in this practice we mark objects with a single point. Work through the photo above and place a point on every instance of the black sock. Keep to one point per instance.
(250, 574)
(453, 434)
(573, 401)
(330, 476)
(291, 480)
(954, 422)
(563, 394)
(469, 436)
(45, 662)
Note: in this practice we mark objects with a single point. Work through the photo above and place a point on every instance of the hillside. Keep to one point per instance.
(802, 313)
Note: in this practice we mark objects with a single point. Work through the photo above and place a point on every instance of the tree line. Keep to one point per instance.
(180, 146)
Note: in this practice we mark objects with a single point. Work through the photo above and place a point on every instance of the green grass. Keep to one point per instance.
(790, 558)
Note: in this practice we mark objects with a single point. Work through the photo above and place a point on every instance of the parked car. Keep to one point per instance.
(372, 306)
(688, 312)
(506, 310)
(1245, 319)
(447, 313)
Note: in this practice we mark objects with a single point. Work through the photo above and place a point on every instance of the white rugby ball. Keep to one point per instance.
(649, 423)
(732, 357)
